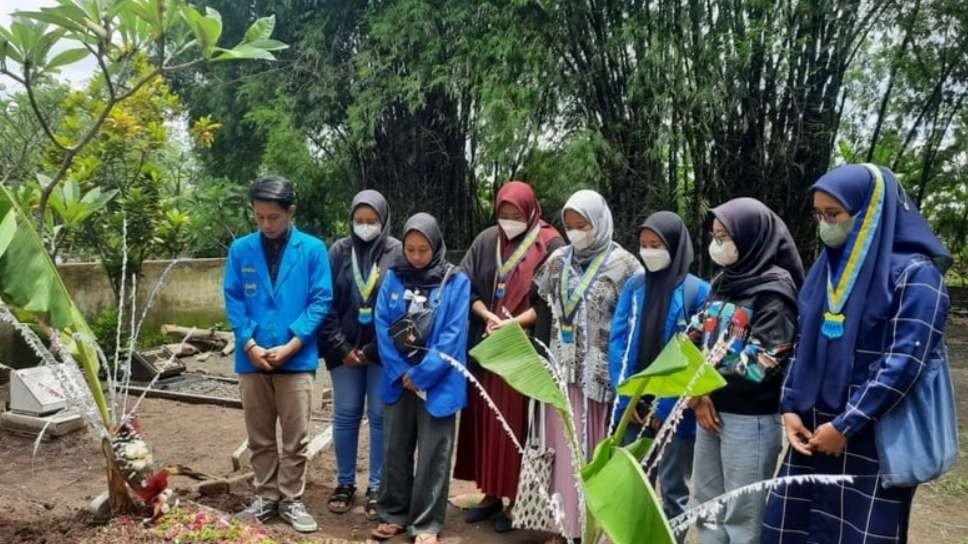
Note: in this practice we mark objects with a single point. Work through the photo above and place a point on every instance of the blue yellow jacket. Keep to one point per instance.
(627, 317)
(445, 386)
(272, 315)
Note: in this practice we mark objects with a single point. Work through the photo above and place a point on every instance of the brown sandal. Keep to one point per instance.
(386, 531)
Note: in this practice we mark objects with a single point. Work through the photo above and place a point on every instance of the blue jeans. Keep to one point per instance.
(675, 469)
(351, 386)
(745, 452)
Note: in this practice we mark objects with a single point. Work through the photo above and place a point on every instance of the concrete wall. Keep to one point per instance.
(192, 290)
(191, 295)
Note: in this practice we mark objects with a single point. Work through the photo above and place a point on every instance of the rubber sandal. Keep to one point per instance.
(389, 530)
(345, 494)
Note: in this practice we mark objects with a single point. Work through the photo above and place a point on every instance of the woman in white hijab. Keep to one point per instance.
(581, 283)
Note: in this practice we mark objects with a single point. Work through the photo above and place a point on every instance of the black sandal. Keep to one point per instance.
(345, 494)
(371, 497)
(480, 513)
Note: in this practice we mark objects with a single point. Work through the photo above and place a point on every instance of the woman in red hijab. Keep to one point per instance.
(501, 264)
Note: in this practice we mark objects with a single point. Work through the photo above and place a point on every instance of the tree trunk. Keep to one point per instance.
(121, 502)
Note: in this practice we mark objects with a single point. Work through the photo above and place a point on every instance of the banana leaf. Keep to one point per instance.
(509, 353)
(672, 371)
(669, 375)
(639, 448)
(620, 498)
(31, 285)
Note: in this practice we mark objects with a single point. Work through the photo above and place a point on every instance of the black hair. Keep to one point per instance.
(273, 189)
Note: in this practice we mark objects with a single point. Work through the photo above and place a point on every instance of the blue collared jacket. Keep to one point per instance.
(272, 314)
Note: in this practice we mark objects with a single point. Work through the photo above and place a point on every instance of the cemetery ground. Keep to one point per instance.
(43, 497)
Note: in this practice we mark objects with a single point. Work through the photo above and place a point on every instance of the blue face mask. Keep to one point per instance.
(835, 235)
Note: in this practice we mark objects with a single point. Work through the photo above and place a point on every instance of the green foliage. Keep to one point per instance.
(660, 105)
(322, 187)
(105, 328)
(23, 137)
(73, 207)
(219, 214)
(620, 498)
(679, 369)
(122, 27)
(135, 43)
(558, 172)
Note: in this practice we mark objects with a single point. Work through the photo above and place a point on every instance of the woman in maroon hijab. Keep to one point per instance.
(501, 264)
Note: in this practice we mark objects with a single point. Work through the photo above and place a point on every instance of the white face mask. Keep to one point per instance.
(580, 238)
(723, 254)
(512, 229)
(835, 235)
(655, 259)
(366, 231)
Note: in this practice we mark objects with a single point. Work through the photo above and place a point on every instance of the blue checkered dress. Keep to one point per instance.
(864, 512)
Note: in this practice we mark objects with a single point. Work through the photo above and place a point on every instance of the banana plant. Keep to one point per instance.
(32, 288)
(619, 498)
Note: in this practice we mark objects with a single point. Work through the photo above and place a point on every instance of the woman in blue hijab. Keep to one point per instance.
(872, 315)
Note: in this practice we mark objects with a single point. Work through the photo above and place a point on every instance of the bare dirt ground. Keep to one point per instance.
(42, 497)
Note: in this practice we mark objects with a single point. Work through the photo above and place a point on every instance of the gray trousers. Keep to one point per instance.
(415, 499)
(745, 452)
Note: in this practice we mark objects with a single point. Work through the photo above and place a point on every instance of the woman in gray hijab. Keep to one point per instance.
(347, 342)
(581, 283)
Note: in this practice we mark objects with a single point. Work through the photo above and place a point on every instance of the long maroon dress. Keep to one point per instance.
(485, 453)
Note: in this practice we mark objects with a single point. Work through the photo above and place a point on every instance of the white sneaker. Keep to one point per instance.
(296, 515)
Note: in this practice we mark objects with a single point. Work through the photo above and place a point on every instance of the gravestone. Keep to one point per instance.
(36, 391)
(37, 404)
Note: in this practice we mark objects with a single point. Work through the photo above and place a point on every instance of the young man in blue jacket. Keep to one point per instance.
(277, 292)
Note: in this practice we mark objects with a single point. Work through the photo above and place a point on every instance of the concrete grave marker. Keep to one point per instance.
(36, 391)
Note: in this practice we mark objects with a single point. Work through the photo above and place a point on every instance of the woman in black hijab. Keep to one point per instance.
(422, 390)
(654, 306)
(746, 331)
(347, 342)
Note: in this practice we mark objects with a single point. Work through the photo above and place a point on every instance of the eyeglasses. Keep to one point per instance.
(828, 216)
(720, 237)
